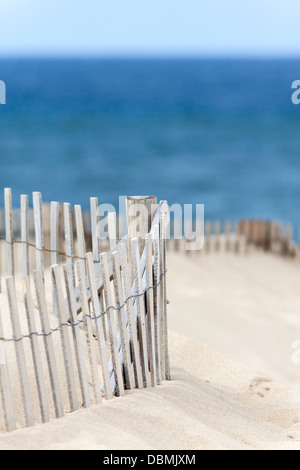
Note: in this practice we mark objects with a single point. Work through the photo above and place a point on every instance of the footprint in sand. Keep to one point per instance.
(260, 386)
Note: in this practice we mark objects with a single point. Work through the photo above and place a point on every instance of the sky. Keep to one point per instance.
(150, 28)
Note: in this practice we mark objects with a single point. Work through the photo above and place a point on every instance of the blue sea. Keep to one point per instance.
(223, 133)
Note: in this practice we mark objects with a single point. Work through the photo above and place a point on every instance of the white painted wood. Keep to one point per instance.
(80, 232)
(5, 388)
(65, 338)
(54, 232)
(95, 227)
(162, 209)
(39, 234)
(217, 235)
(113, 333)
(80, 265)
(122, 322)
(161, 305)
(208, 236)
(24, 235)
(112, 229)
(163, 251)
(20, 353)
(157, 302)
(69, 240)
(129, 310)
(48, 342)
(84, 386)
(9, 232)
(38, 369)
(228, 236)
(97, 311)
(141, 322)
(150, 309)
(54, 242)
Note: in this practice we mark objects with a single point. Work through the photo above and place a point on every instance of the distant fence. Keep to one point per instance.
(93, 324)
(241, 237)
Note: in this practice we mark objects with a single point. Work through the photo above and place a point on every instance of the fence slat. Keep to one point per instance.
(5, 388)
(112, 229)
(95, 228)
(130, 315)
(80, 232)
(9, 232)
(38, 369)
(39, 234)
(138, 284)
(122, 321)
(24, 235)
(54, 242)
(65, 339)
(150, 309)
(88, 331)
(227, 235)
(69, 240)
(20, 353)
(49, 348)
(84, 386)
(99, 326)
(157, 301)
(166, 367)
(54, 232)
(113, 334)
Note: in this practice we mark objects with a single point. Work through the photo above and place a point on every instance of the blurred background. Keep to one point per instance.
(186, 100)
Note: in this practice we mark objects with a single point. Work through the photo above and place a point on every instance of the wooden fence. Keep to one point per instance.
(239, 237)
(78, 326)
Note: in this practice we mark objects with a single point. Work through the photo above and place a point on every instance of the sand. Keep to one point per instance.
(233, 320)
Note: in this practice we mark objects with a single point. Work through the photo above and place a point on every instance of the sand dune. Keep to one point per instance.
(240, 307)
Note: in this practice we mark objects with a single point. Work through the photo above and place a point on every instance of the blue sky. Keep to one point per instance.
(150, 27)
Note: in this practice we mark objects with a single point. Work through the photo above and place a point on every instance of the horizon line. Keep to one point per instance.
(147, 56)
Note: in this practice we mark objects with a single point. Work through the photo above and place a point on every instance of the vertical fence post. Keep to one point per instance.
(65, 339)
(54, 232)
(80, 232)
(129, 308)
(24, 235)
(122, 321)
(112, 229)
(5, 388)
(163, 231)
(54, 242)
(84, 386)
(139, 212)
(9, 232)
(113, 334)
(150, 309)
(95, 228)
(49, 347)
(208, 236)
(141, 320)
(69, 240)
(39, 375)
(39, 234)
(99, 326)
(157, 303)
(81, 269)
(20, 353)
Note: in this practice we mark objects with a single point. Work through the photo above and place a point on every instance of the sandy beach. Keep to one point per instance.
(233, 319)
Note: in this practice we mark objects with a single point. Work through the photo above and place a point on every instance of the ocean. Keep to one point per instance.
(223, 133)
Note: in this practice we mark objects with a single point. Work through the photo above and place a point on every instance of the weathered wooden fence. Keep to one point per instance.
(77, 327)
(240, 237)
